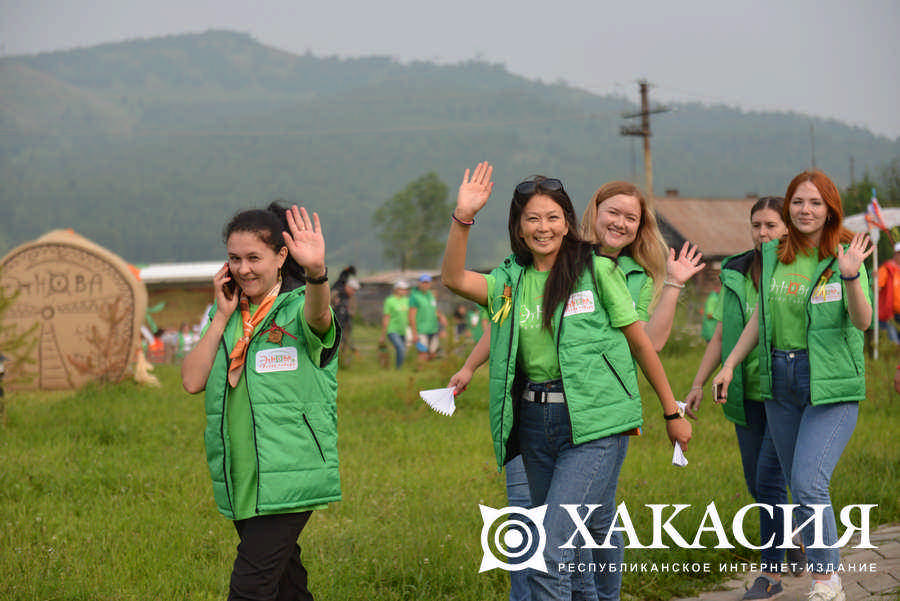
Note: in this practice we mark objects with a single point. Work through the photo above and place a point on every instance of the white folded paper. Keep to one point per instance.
(440, 399)
(678, 457)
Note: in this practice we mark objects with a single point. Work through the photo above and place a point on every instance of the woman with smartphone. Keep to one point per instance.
(562, 380)
(809, 323)
(267, 363)
(762, 471)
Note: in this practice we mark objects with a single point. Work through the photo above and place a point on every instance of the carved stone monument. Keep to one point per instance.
(83, 305)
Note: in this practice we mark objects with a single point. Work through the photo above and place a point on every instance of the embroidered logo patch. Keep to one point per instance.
(826, 294)
(276, 359)
(580, 302)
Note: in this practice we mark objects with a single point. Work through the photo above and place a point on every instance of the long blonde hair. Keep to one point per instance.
(649, 249)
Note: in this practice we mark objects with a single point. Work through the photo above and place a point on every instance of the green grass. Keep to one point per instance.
(104, 492)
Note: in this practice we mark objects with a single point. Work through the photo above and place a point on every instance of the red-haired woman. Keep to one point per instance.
(813, 308)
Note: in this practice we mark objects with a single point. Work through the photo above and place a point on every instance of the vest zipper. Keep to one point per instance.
(262, 327)
(741, 301)
(820, 276)
(512, 326)
(222, 432)
(253, 424)
(315, 438)
(562, 313)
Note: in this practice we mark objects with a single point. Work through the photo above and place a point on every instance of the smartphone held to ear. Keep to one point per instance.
(229, 287)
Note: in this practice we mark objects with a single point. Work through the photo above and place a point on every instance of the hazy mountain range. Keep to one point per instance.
(147, 147)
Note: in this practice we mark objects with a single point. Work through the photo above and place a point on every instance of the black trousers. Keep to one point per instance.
(268, 566)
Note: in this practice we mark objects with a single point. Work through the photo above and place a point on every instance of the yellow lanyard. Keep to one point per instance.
(505, 307)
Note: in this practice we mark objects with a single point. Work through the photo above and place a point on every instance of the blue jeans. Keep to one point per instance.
(809, 440)
(399, 343)
(765, 479)
(890, 328)
(517, 495)
(560, 472)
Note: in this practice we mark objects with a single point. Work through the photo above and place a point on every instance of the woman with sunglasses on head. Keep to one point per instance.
(620, 222)
(809, 324)
(740, 278)
(563, 333)
(267, 361)
(624, 228)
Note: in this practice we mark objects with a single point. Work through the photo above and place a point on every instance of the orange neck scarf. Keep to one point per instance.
(238, 355)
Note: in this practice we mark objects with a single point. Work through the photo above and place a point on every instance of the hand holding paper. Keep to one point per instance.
(440, 399)
(678, 457)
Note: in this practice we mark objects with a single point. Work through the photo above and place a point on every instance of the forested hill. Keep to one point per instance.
(148, 146)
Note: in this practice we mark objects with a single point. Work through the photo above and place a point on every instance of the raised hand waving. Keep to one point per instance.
(474, 191)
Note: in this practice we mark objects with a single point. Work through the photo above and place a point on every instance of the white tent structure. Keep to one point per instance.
(858, 223)
(180, 273)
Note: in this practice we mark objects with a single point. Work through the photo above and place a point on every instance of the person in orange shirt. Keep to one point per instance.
(889, 295)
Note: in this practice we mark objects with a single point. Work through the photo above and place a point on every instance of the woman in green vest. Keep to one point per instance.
(618, 219)
(267, 363)
(563, 388)
(812, 312)
(762, 471)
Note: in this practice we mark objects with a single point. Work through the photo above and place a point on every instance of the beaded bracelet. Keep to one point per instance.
(319, 280)
(460, 221)
(851, 278)
(672, 284)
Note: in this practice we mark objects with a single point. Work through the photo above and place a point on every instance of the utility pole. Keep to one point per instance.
(643, 130)
(812, 143)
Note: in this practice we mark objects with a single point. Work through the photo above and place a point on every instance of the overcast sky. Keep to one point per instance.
(829, 58)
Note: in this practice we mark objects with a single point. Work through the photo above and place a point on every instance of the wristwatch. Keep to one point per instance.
(676, 415)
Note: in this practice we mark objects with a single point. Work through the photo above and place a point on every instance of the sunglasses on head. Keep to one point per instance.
(550, 184)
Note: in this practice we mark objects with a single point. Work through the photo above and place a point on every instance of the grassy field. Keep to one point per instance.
(105, 495)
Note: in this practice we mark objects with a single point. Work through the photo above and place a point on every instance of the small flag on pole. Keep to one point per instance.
(873, 214)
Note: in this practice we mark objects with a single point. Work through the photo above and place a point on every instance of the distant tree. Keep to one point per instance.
(890, 177)
(413, 222)
(856, 197)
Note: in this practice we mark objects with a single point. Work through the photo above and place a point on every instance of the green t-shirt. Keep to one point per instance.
(241, 440)
(426, 311)
(537, 354)
(537, 347)
(788, 294)
(475, 319)
(751, 363)
(397, 308)
(642, 302)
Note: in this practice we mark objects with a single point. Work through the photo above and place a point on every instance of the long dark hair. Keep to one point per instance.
(776, 203)
(268, 224)
(575, 255)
